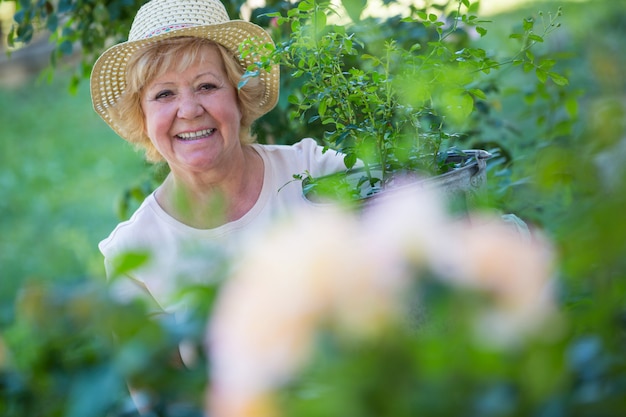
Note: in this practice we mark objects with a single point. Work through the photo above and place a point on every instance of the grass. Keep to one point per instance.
(61, 170)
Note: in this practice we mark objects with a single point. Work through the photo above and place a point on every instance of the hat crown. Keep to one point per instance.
(160, 16)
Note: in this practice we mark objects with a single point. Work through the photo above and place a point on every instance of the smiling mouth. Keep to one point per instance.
(195, 135)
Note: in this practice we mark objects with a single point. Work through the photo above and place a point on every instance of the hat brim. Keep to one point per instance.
(108, 76)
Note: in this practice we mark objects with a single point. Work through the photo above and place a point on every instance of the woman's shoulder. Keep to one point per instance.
(133, 233)
(304, 145)
(305, 155)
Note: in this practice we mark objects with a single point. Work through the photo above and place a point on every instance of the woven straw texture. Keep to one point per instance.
(162, 19)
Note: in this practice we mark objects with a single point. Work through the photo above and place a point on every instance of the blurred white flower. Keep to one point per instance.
(331, 267)
(410, 221)
(515, 270)
(315, 267)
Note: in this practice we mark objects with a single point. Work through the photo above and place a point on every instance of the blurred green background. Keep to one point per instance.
(62, 172)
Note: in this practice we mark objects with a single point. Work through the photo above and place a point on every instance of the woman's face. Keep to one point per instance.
(192, 116)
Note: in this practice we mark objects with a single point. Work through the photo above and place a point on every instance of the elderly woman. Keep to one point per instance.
(172, 90)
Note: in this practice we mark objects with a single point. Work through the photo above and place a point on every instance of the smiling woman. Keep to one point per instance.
(173, 90)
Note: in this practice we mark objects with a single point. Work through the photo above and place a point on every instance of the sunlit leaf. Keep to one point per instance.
(558, 79)
(528, 24)
(478, 93)
(542, 75)
(571, 105)
(354, 8)
(129, 261)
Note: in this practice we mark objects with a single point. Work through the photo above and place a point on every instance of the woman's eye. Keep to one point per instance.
(163, 94)
(207, 86)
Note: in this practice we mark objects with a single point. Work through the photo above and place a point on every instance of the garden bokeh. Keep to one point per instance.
(63, 172)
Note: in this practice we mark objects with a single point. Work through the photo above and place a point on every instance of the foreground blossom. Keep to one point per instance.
(308, 270)
(331, 267)
(514, 270)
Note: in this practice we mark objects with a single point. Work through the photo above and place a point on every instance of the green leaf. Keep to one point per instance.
(306, 5)
(66, 48)
(547, 63)
(272, 14)
(571, 106)
(534, 37)
(349, 160)
(52, 22)
(129, 261)
(542, 75)
(246, 77)
(456, 104)
(19, 17)
(25, 33)
(354, 8)
(11, 39)
(322, 108)
(481, 31)
(293, 99)
(478, 93)
(558, 79)
(375, 60)
(319, 21)
(528, 24)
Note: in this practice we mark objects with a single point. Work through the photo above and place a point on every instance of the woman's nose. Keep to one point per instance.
(189, 107)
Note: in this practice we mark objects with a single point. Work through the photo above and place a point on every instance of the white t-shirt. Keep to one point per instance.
(180, 255)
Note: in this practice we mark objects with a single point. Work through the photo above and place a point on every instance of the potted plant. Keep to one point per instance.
(392, 106)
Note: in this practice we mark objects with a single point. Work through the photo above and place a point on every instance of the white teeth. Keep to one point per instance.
(195, 135)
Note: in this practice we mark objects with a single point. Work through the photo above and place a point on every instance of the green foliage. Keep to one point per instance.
(60, 344)
(55, 156)
(72, 350)
(560, 166)
(396, 102)
(93, 25)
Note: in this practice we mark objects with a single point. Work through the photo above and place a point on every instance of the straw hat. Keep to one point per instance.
(162, 19)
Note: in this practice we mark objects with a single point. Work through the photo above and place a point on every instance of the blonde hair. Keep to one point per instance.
(176, 54)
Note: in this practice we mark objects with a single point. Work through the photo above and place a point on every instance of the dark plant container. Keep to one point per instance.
(465, 175)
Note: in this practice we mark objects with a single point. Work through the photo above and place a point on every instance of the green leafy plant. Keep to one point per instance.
(394, 105)
(56, 353)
